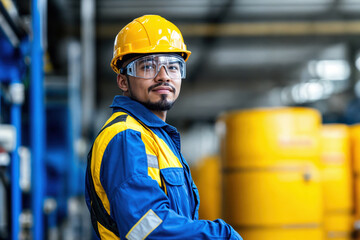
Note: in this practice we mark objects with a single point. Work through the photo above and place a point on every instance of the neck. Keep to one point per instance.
(160, 114)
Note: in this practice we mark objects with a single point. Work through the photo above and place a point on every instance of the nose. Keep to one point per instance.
(162, 75)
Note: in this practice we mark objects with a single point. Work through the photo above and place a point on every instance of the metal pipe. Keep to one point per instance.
(88, 61)
(75, 112)
(15, 161)
(37, 121)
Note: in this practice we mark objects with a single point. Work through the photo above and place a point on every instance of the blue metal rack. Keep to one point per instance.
(13, 42)
(11, 71)
(59, 157)
(37, 122)
(13, 45)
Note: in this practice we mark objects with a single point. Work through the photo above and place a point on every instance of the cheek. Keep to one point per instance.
(178, 87)
(138, 88)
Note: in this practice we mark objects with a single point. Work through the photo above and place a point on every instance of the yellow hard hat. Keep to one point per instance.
(148, 34)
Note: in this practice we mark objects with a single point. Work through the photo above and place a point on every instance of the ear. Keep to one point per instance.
(122, 82)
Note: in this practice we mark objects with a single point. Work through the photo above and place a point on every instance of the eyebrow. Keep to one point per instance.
(173, 60)
(145, 60)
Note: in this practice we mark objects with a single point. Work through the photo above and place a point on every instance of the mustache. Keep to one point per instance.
(161, 84)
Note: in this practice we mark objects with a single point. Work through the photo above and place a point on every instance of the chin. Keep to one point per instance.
(162, 105)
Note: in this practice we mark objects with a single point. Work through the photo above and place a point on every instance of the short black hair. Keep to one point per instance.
(119, 63)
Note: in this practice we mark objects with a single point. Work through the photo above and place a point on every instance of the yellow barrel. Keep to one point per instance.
(337, 181)
(355, 146)
(271, 180)
(206, 174)
(271, 136)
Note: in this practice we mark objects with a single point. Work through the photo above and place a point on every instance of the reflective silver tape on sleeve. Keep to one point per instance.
(144, 226)
(152, 161)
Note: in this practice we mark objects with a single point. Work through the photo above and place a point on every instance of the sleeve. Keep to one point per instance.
(197, 199)
(137, 203)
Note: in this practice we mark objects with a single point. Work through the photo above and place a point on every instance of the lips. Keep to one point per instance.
(162, 88)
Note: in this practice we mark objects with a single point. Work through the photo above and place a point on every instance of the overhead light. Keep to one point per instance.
(304, 92)
(329, 69)
(357, 88)
(357, 62)
(314, 91)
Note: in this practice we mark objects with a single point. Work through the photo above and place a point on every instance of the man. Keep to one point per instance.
(138, 185)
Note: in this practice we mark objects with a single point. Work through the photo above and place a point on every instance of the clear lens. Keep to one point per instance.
(149, 66)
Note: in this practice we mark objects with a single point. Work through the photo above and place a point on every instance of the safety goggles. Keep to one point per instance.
(148, 67)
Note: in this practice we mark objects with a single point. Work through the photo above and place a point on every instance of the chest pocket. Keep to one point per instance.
(173, 176)
(177, 190)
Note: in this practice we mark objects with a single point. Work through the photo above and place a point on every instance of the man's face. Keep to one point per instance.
(157, 94)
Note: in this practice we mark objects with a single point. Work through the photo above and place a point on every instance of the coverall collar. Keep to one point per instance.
(137, 110)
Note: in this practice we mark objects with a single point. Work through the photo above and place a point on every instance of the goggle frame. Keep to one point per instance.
(130, 68)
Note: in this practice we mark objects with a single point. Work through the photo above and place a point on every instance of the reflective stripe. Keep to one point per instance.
(144, 226)
(152, 161)
(105, 233)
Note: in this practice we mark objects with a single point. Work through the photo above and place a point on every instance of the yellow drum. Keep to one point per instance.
(271, 180)
(270, 136)
(307, 232)
(355, 146)
(207, 176)
(337, 181)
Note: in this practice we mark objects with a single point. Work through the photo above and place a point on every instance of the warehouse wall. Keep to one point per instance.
(56, 86)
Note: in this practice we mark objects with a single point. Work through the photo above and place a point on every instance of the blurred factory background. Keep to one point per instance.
(269, 113)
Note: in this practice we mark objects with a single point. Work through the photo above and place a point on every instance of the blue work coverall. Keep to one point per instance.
(143, 182)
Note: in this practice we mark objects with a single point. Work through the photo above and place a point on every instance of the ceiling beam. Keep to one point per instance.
(254, 29)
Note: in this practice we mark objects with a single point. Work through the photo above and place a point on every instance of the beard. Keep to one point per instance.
(161, 105)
